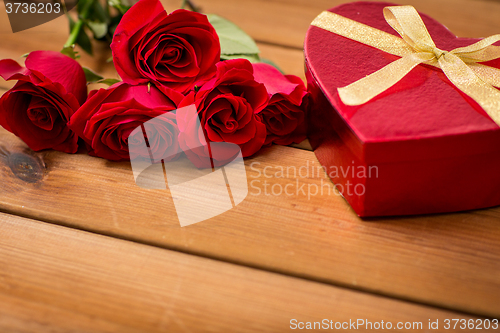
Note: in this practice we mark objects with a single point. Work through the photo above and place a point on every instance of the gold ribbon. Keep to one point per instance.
(415, 47)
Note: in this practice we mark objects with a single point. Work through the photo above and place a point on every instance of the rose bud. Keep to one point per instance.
(284, 116)
(227, 106)
(174, 50)
(37, 109)
(109, 116)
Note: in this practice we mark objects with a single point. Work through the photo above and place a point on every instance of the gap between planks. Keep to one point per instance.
(102, 284)
(424, 259)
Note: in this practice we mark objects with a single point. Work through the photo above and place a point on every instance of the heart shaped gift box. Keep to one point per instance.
(421, 146)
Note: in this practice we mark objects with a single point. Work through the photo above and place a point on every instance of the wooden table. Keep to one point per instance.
(84, 249)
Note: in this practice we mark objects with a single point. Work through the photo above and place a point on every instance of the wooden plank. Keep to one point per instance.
(303, 145)
(448, 260)
(290, 61)
(446, 249)
(55, 279)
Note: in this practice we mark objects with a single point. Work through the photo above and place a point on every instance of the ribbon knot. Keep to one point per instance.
(438, 52)
(461, 65)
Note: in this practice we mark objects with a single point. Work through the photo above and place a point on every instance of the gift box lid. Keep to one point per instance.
(423, 116)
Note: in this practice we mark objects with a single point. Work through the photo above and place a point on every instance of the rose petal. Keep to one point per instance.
(9, 68)
(61, 69)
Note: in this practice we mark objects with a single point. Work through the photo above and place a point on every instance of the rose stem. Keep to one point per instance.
(79, 24)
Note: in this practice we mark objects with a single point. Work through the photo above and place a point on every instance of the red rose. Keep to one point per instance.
(109, 116)
(174, 50)
(284, 116)
(227, 107)
(37, 109)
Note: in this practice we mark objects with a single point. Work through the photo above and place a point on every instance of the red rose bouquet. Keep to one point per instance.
(166, 61)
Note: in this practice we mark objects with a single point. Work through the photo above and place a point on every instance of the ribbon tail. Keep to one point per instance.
(484, 50)
(367, 88)
(488, 74)
(468, 82)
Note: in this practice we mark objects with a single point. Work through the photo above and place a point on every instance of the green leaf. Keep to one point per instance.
(249, 57)
(121, 5)
(233, 40)
(70, 52)
(91, 76)
(109, 82)
(191, 6)
(80, 5)
(115, 20)
(83, 41)
(99, 29)
(98, 13)
(269, 62)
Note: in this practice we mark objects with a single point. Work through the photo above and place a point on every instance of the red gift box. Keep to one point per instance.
(422, 146)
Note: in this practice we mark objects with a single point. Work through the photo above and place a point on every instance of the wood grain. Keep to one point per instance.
(55, 279)
(448, 260)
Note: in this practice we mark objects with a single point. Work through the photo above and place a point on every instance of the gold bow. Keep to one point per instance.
(415, 47)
